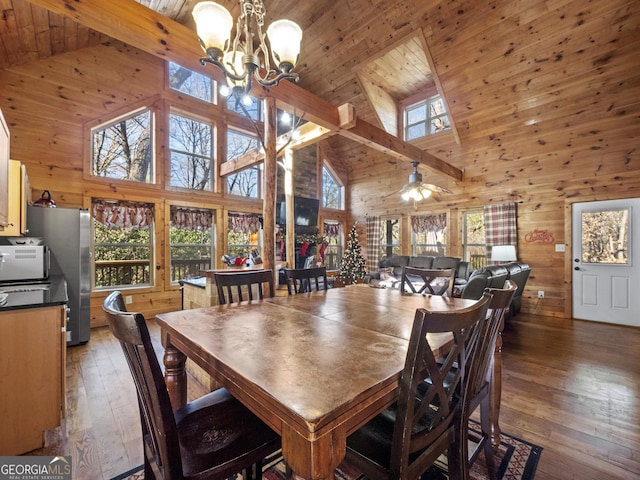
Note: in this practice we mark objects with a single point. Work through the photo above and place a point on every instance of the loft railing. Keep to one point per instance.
(110, 273)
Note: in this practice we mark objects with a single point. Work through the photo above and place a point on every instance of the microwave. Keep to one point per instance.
(24, 262)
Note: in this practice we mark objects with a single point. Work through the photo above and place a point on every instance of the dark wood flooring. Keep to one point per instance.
(572, 387)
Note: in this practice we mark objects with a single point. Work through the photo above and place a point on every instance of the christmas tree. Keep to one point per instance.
(353, 268)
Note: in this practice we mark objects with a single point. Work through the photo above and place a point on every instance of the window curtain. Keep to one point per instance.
(373, 243)
(500, 224)
(122, 214)
(244, 222)
(331, 230)
(429, 223)
(191, 218)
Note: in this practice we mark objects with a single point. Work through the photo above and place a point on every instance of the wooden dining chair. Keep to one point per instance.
(407, 438)
(479, 374)
(213, 437)
(301, 280)
(227, 282)
(422, 280)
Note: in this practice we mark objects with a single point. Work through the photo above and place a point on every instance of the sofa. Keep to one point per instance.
(494, 276)
(393, 266)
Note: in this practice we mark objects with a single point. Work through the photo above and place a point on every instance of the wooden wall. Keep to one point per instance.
(51, 104)
(531, 128)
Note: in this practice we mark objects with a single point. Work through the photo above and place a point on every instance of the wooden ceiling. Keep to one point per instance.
(502, 65)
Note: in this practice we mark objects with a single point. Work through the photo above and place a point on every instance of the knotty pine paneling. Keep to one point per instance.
(544, 95)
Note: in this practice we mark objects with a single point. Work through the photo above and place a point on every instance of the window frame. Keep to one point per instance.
(384, 247)
(130, 114)
(338, 244)
(427, 98)
(154, 232)
(169, 250)
(214, 84)
(258, 166)
(340, 193)
(438, 250)
(466, 247)
(214, 150)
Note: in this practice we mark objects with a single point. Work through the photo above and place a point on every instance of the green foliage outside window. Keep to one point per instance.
(122, 255)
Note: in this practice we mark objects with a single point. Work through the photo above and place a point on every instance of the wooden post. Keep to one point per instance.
(269, 183)
(290, 243)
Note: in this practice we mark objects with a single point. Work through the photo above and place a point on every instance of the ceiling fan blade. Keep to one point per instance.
(436, 188)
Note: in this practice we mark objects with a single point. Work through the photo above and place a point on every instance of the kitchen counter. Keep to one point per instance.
(21, 295)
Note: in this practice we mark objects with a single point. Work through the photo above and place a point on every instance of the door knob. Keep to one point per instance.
(576, 268)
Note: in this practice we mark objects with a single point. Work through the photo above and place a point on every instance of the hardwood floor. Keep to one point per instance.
(572, 387)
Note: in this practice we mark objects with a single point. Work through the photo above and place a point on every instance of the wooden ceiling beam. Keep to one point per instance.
(151, 32)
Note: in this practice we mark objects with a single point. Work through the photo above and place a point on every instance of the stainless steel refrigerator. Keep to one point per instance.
(66, 231)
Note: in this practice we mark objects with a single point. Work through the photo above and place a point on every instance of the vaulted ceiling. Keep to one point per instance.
(504, 67)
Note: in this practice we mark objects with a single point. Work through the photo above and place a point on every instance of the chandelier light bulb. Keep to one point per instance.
(213, 24)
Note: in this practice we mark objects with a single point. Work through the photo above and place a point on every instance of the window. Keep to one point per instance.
(191, 240)
(246, 182)
(429, 234)
(333, 252)
(243, 234)
(191, 83)
(123, 149)
(191, 150)
(246, 106)
(123, 243)
(473, 239)
(331, 190)
(390, 237)
(425, 118)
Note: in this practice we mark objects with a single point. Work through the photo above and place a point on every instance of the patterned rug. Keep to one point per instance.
(516, 460)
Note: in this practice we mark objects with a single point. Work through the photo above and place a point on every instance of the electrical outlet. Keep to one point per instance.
(128, 299)
(540, 293)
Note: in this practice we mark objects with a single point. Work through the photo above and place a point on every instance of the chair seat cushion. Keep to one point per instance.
(216, 429)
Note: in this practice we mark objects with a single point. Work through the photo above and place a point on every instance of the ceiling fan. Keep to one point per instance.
(417, 190)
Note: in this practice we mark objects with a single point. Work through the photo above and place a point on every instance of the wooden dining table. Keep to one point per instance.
(313, 366)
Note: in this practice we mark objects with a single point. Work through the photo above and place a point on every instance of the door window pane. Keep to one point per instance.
(605, 236)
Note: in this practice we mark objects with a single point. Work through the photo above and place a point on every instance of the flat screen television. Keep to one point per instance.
(305, 211)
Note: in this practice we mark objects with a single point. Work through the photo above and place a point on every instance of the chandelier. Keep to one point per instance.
(240, 60)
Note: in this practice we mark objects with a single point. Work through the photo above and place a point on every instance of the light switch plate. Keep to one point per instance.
(559, 247)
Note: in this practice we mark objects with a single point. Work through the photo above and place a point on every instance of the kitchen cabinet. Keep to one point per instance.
(32, 376)
(19, 194)
(4, 173)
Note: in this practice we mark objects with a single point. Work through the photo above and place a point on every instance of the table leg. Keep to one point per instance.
(175, 375)
(314, 459)
(495, 390)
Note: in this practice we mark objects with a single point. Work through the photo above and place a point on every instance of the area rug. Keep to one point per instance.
(516, 460)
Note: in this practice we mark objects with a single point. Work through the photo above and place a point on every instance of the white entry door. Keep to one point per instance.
(606, 261)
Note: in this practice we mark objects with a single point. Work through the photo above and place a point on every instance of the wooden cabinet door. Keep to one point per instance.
(33, 372)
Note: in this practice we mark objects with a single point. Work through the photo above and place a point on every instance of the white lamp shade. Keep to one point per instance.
(213, 24)
(503, 253)
(285, 37)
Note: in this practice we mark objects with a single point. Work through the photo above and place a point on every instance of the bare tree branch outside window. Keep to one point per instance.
(190, 143)
(244, 183)
(123, 149)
